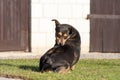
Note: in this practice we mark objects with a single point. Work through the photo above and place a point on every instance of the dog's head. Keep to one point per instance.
(63, 33)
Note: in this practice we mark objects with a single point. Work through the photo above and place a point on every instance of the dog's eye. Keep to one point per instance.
(65, 37)
(58, 35)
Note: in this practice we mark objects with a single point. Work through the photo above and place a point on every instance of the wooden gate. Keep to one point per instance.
(104, 25)
(14, 25)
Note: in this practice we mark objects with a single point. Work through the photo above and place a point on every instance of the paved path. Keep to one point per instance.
(22, 55)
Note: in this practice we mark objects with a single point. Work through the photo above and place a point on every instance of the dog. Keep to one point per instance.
(66, 51)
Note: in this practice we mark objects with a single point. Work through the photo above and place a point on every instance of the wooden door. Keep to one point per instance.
(14, 25)
(104, 26)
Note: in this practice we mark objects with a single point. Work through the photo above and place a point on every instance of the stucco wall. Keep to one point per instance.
(72, 12)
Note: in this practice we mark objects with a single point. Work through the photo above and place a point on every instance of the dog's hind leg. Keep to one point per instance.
(61, 68)
(73, 67)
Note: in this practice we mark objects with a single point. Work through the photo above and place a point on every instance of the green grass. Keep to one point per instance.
(85, 70)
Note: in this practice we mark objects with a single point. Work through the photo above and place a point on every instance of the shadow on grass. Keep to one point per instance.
(26, 67)
(1, 64)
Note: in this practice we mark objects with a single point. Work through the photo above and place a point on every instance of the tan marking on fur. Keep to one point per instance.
(58, 40)
(60, 33)
(63, 41)
(64, 70)
(73, 67)
(65, 35)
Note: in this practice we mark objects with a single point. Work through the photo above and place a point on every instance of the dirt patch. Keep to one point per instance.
(14, 77)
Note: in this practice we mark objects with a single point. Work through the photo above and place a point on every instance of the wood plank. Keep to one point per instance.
(104, 26)
(111, 36)
(102, 6)
(96, 35)
(14, 23)
(102, 16)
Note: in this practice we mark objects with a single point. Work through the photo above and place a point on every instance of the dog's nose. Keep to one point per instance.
(61, 44)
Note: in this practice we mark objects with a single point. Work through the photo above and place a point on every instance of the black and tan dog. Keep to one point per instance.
(66, 51)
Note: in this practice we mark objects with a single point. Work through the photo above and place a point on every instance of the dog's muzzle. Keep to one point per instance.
(61, 41)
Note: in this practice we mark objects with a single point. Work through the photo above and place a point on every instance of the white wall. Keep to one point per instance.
(71, 12)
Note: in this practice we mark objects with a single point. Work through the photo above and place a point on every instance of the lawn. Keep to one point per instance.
(88, 69)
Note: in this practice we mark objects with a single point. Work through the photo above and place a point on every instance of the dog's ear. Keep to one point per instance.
(57, 23)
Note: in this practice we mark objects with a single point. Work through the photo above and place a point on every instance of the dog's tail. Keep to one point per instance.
(56, 22)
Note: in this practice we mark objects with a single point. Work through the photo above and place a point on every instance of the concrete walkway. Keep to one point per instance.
(23, 55)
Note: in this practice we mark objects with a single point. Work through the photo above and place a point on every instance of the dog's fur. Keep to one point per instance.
(66, 51)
